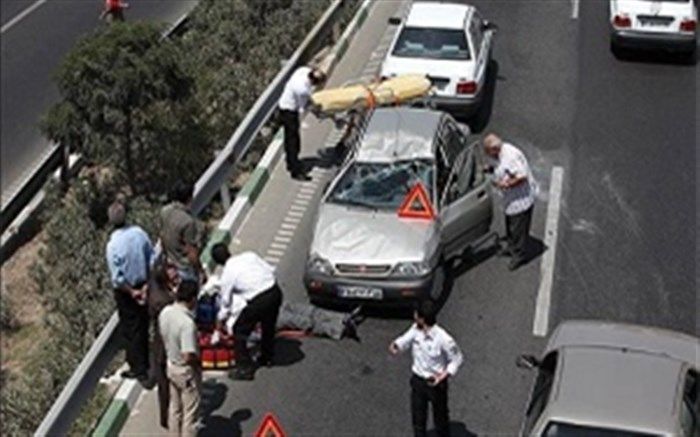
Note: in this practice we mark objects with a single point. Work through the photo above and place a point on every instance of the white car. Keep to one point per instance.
(667, 24)
(451, 44)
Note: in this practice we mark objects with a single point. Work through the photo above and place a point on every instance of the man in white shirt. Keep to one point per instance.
(292, 103)
(436, 357)
(512, 176)
(252, 280)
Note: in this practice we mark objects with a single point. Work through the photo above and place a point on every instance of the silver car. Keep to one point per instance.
(362, 250)
(609, 380)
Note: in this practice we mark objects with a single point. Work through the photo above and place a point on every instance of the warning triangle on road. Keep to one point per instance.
(270, 427)
(417, 204)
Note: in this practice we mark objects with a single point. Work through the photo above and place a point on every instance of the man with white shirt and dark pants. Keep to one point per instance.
(253, 280)
(292, 104)
(512, 176)
(436, 357)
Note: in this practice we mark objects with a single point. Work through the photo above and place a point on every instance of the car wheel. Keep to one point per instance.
(438, 285)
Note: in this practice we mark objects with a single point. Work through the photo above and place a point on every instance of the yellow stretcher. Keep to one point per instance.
(388, 92)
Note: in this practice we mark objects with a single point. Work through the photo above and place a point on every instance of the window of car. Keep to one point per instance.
(541, 391)
(476, 27)
(690, 406)
(561, 429)
(462, 180)
(432, 43)
(381, 185)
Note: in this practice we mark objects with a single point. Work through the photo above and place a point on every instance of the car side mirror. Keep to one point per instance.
(394, 21)
(527, 362)
(487, 25)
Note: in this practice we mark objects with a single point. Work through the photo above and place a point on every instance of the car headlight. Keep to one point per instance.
(318, 264)
(408, 269)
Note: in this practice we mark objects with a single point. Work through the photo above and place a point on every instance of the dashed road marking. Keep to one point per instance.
(285, 233)
(293, 220)
(288, 226)
(297, 208)
(302, 202)
(304, 196)
(575, 6)
(295, 214)
(274, 252)
(544, 293)
(272, 260)
(285, 240)
(278, 246)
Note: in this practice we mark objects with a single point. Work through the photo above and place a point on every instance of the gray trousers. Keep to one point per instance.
(305, 317)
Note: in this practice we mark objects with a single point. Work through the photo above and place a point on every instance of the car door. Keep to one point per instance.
(466, 205)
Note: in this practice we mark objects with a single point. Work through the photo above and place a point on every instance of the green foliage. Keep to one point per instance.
(127, 104)
(8, 320)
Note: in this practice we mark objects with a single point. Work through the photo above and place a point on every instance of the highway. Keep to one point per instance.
(35, 37)
(622, 133)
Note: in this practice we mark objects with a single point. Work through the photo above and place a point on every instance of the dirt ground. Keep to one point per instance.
(23, 296)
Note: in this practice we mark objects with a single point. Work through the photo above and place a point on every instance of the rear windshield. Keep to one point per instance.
(381, 185)
(420, 42)
(558, 429)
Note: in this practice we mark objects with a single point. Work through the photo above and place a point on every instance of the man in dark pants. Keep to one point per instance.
(129, 253)
(512, 176)
(292, 103)
(436, 357)
(252, 280)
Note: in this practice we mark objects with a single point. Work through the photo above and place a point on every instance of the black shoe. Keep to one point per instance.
(350, 329)
(146, 382)
(264, 361)
(130, 374)
(242, 374)
(300, 176)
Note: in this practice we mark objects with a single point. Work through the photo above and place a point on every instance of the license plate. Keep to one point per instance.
(361, 292)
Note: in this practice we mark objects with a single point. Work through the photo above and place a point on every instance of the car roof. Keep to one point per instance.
(616, 388)
(398, 134)
(437, 15)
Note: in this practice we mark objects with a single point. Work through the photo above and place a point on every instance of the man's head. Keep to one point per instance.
(425, 314)
(116, 214)
(492, 145)
(181, 192)
(220, 253)
(317, 77)
(187, 293)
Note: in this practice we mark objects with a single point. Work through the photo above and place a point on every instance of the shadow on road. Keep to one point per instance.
(226, 426)
(654, 57)
(478, 122)
(287, 352)
(457, 429)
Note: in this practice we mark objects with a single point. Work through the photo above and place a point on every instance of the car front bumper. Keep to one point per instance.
(395, 291)
(654, 40)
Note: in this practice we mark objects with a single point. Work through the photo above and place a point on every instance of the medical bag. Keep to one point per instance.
(219, 356)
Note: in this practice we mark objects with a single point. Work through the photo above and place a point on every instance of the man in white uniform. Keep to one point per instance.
(512, 176)
(292, 104)
(436, 357)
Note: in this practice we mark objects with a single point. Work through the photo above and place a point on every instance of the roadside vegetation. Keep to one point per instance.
(142, 112)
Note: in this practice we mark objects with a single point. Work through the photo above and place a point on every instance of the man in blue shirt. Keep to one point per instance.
(129, 255)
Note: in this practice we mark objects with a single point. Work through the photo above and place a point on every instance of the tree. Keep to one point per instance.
(126, 103)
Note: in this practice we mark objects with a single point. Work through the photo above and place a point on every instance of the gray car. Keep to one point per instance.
(609, 379)
(362, 250)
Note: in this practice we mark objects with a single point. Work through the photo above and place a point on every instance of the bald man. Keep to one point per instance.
(513, 178)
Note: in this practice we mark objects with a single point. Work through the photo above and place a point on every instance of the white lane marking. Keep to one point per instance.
(304, 196)
(551, 229)
(275, 252)
(285, 233)
(295, 214)
(297, 208)
(293, 220)
(302, 202)
(288, 226)
(285, 240)
(278, 246)
(272, 259)
(575, 5)
(21, 16)
(309, 191)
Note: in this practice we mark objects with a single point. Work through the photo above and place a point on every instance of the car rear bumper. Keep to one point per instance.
(654, 40)
(461, 106)
(395, 291)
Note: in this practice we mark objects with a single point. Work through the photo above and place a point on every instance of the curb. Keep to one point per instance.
(120, 407)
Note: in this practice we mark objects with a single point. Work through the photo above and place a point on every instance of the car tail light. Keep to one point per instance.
(466, 87)
(622, 21)
(688, 25)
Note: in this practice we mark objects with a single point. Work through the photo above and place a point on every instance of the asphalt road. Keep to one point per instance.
(624, 133)
(32, 49)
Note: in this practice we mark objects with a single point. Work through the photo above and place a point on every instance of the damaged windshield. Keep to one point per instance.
(381, 185)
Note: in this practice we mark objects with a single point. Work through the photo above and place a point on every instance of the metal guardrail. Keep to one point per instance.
(84, 379)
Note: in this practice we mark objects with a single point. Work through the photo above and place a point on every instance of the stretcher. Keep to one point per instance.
(394, 91)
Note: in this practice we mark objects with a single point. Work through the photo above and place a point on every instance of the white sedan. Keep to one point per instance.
(451, 44)
(654, 24)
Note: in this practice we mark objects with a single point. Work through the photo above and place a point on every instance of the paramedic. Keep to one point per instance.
(292, 103)
(253, 279)
(179, 332)
(129, 253)
(436, 357)
(512, 176)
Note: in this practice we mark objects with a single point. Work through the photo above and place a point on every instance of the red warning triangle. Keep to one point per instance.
(270, 427)
(417, 204)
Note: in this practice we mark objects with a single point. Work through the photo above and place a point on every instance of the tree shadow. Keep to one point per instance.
(457, 429)
(226, 426)
(478, 122)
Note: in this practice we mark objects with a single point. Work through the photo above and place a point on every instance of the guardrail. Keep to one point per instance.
(84, 379)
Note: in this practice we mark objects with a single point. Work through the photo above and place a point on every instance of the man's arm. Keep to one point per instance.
(188, 345)
(402, 343)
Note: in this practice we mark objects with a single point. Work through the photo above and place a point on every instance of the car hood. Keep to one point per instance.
(350, 235)
(430, 67)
